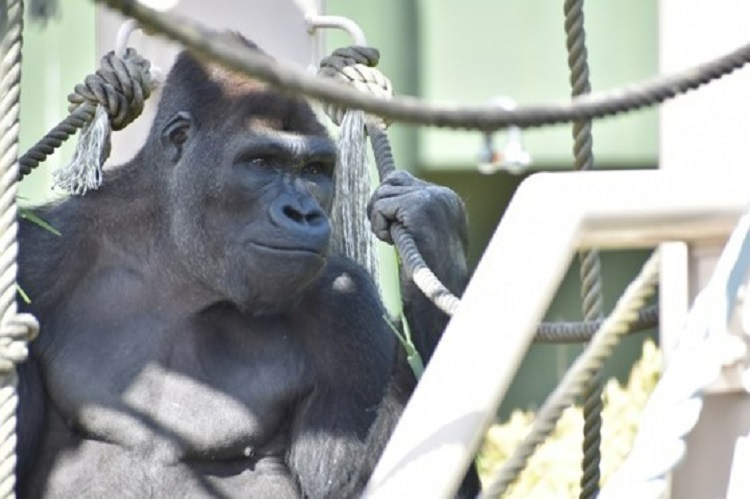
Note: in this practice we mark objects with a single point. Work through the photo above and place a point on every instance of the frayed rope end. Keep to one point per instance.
(84, 172)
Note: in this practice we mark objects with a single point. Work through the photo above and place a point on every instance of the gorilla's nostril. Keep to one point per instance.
(293, 214)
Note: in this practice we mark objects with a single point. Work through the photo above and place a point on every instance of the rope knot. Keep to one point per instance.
(15, 334)
(110, 100)
(121, 85)
(355, 66)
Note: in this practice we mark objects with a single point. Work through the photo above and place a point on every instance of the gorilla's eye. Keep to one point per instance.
(315, 168)
(178, 136)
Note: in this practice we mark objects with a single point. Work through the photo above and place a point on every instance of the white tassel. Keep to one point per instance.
(353, 237)
(84, 172)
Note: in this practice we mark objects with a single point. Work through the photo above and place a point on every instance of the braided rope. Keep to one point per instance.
(352, 235)
(411, 258)
(15, 329)
(577, 377)
(203, 41)
(590, 263)
(121, 86)
(356, 66)
(577, 332)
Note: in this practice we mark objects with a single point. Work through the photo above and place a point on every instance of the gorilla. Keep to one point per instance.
(198, 337)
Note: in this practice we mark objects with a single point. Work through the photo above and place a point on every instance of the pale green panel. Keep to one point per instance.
(472, 51)
(56, 57)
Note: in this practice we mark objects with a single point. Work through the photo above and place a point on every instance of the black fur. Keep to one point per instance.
(198, 339)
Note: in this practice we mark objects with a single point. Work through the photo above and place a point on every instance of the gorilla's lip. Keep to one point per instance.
(276, 248)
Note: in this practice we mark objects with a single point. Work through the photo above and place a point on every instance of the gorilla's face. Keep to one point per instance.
(250, 197)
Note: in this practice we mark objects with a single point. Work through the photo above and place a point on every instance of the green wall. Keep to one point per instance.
(56, 57)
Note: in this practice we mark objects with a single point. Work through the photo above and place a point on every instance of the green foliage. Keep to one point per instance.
(555, 469)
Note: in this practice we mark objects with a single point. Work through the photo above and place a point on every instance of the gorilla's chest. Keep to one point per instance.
(211, 387)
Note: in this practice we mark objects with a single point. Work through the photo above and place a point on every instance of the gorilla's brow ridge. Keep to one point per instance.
(287, 146)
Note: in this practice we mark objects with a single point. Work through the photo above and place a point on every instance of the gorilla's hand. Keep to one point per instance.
(434, 215)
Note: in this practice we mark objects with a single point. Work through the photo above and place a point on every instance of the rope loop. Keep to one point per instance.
(15, 334)
(355, 66)
(121, 85)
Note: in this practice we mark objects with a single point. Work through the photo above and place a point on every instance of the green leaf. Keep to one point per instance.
(412, 355)
(29, 215)
(23, 294)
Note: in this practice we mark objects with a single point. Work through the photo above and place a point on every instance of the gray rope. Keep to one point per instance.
(590, 263)
(15, 329)
(120, 85)
(205, 42)
(352, 235)
(411, 258)
(356, 66)
(578, 332)
(590, 361)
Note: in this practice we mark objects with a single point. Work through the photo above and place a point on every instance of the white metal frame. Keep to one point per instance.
(551, 216)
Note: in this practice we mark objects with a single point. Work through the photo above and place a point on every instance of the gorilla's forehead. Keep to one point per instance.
(268, 141)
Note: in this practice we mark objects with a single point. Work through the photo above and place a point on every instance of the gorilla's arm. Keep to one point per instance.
(342, 423)
(435, 216)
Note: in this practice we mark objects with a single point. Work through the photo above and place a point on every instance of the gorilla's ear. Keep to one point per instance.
(176, 133)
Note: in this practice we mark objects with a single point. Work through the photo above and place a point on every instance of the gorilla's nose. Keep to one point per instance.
(307, 217)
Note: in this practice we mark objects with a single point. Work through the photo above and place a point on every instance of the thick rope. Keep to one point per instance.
(352, 235)
(590, 264)
(411, 259)
(578, 332)
(205, 42)
(15, 329)
(356, 66)
(704, 347)
(120, 87)
(577, 377)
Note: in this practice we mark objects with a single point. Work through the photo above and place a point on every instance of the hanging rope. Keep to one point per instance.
(203, 41)
(352, 235)
(704, 347)
(356, 66)
(15, 329)
(577, 377)
(578, 332)
(590, 263)
(118, 91)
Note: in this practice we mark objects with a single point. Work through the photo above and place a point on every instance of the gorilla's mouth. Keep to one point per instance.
(286, 250)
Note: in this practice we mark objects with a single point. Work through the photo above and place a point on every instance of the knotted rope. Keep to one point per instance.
(352, 237)
(108, 100)
(15, 329)
(356, 66)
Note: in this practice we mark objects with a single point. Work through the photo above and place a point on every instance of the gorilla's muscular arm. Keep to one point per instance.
(342, 425)
(436, 218)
